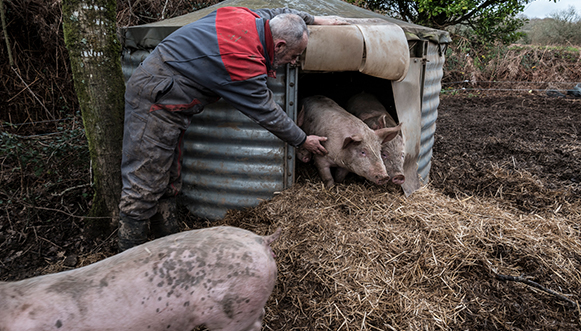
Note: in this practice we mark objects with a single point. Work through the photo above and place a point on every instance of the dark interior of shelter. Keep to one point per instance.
(340, 86)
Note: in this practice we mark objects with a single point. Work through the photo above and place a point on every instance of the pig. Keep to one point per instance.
(366, 107)
(219, 277)
(352, 146)
(304, 155)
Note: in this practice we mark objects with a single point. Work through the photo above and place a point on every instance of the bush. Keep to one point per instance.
(562, 28)
(516, 63)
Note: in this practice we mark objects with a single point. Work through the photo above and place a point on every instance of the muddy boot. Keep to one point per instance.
(165, 221)
(131, 232)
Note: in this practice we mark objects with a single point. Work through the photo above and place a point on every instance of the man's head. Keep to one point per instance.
(290, 36)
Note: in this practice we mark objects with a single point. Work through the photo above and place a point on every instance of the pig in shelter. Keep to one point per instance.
(352, 146)
(367, 108)
(304, 155)
(220, 277)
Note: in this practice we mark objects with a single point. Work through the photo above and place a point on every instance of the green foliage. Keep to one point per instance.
(44, 156)
(486, 21)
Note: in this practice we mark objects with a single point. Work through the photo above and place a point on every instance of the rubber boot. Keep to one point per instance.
(165, 221)
(131, 232)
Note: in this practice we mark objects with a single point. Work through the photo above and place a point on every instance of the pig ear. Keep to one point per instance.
(382, 122)
(376, 123)
(372, 124)
(301, 116)
(352, 139)
(387, 134)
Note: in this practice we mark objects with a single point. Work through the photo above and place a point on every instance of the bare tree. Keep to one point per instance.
(94, 50)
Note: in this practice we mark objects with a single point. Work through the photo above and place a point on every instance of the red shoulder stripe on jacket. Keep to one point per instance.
(239, 43)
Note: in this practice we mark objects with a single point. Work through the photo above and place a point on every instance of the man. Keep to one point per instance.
(227, 54)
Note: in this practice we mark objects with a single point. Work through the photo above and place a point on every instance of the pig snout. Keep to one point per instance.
(378, 175)
(306, 158)
(382, 180)
(398, 179)
(304, 155)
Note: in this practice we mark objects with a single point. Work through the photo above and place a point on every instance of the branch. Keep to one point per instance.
(469, 15)
(463, 19)
(539, 286)
(404, 10)
(68, 214)
(34, 95)
(70, 189)
(8, 48)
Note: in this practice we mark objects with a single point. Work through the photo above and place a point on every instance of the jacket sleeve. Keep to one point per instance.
(269, 13)
(255, 100)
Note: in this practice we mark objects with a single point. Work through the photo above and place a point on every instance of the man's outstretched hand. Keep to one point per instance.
(313, 145)
(330, 20)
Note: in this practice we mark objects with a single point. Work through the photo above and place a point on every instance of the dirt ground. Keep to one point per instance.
(521, 150)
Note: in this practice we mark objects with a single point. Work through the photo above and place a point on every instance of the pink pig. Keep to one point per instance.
(220, 277)
(366, 107)
(352, 145)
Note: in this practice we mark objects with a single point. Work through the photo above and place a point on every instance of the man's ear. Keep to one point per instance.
(279, 45)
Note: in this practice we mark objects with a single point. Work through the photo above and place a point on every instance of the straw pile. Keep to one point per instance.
(361, 257)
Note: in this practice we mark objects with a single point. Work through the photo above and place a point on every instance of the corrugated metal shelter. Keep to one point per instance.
(230, 162)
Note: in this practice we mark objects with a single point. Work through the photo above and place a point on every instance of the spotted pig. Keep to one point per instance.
(220, 277)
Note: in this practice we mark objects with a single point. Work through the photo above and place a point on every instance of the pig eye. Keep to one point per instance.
(384, 155)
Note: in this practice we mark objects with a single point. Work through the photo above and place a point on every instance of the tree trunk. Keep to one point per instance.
(94, 51)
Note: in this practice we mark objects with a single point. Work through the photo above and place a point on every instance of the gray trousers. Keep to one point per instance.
(159, 105)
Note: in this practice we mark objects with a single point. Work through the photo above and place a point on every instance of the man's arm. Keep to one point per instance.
(329, 20)
(255, 100)
(269, 13)
(309, 19)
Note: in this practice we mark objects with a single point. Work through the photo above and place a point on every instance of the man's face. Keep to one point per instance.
(283, 54)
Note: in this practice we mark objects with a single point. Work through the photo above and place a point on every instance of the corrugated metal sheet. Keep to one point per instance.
(230, 162)
(131, 60)
(430, 102)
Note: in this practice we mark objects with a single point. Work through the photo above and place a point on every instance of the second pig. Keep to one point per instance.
(366, 107)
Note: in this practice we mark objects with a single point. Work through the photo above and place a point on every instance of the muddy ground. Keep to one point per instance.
(522, 150)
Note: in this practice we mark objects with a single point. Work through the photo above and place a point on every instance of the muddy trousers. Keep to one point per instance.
(134, 232)
(152, 154)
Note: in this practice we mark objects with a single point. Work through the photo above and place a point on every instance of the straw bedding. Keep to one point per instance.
(366, 258)
(503, 200)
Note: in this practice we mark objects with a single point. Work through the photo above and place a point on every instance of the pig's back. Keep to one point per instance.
(367, 107)
(176, 283)
(323, 116)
